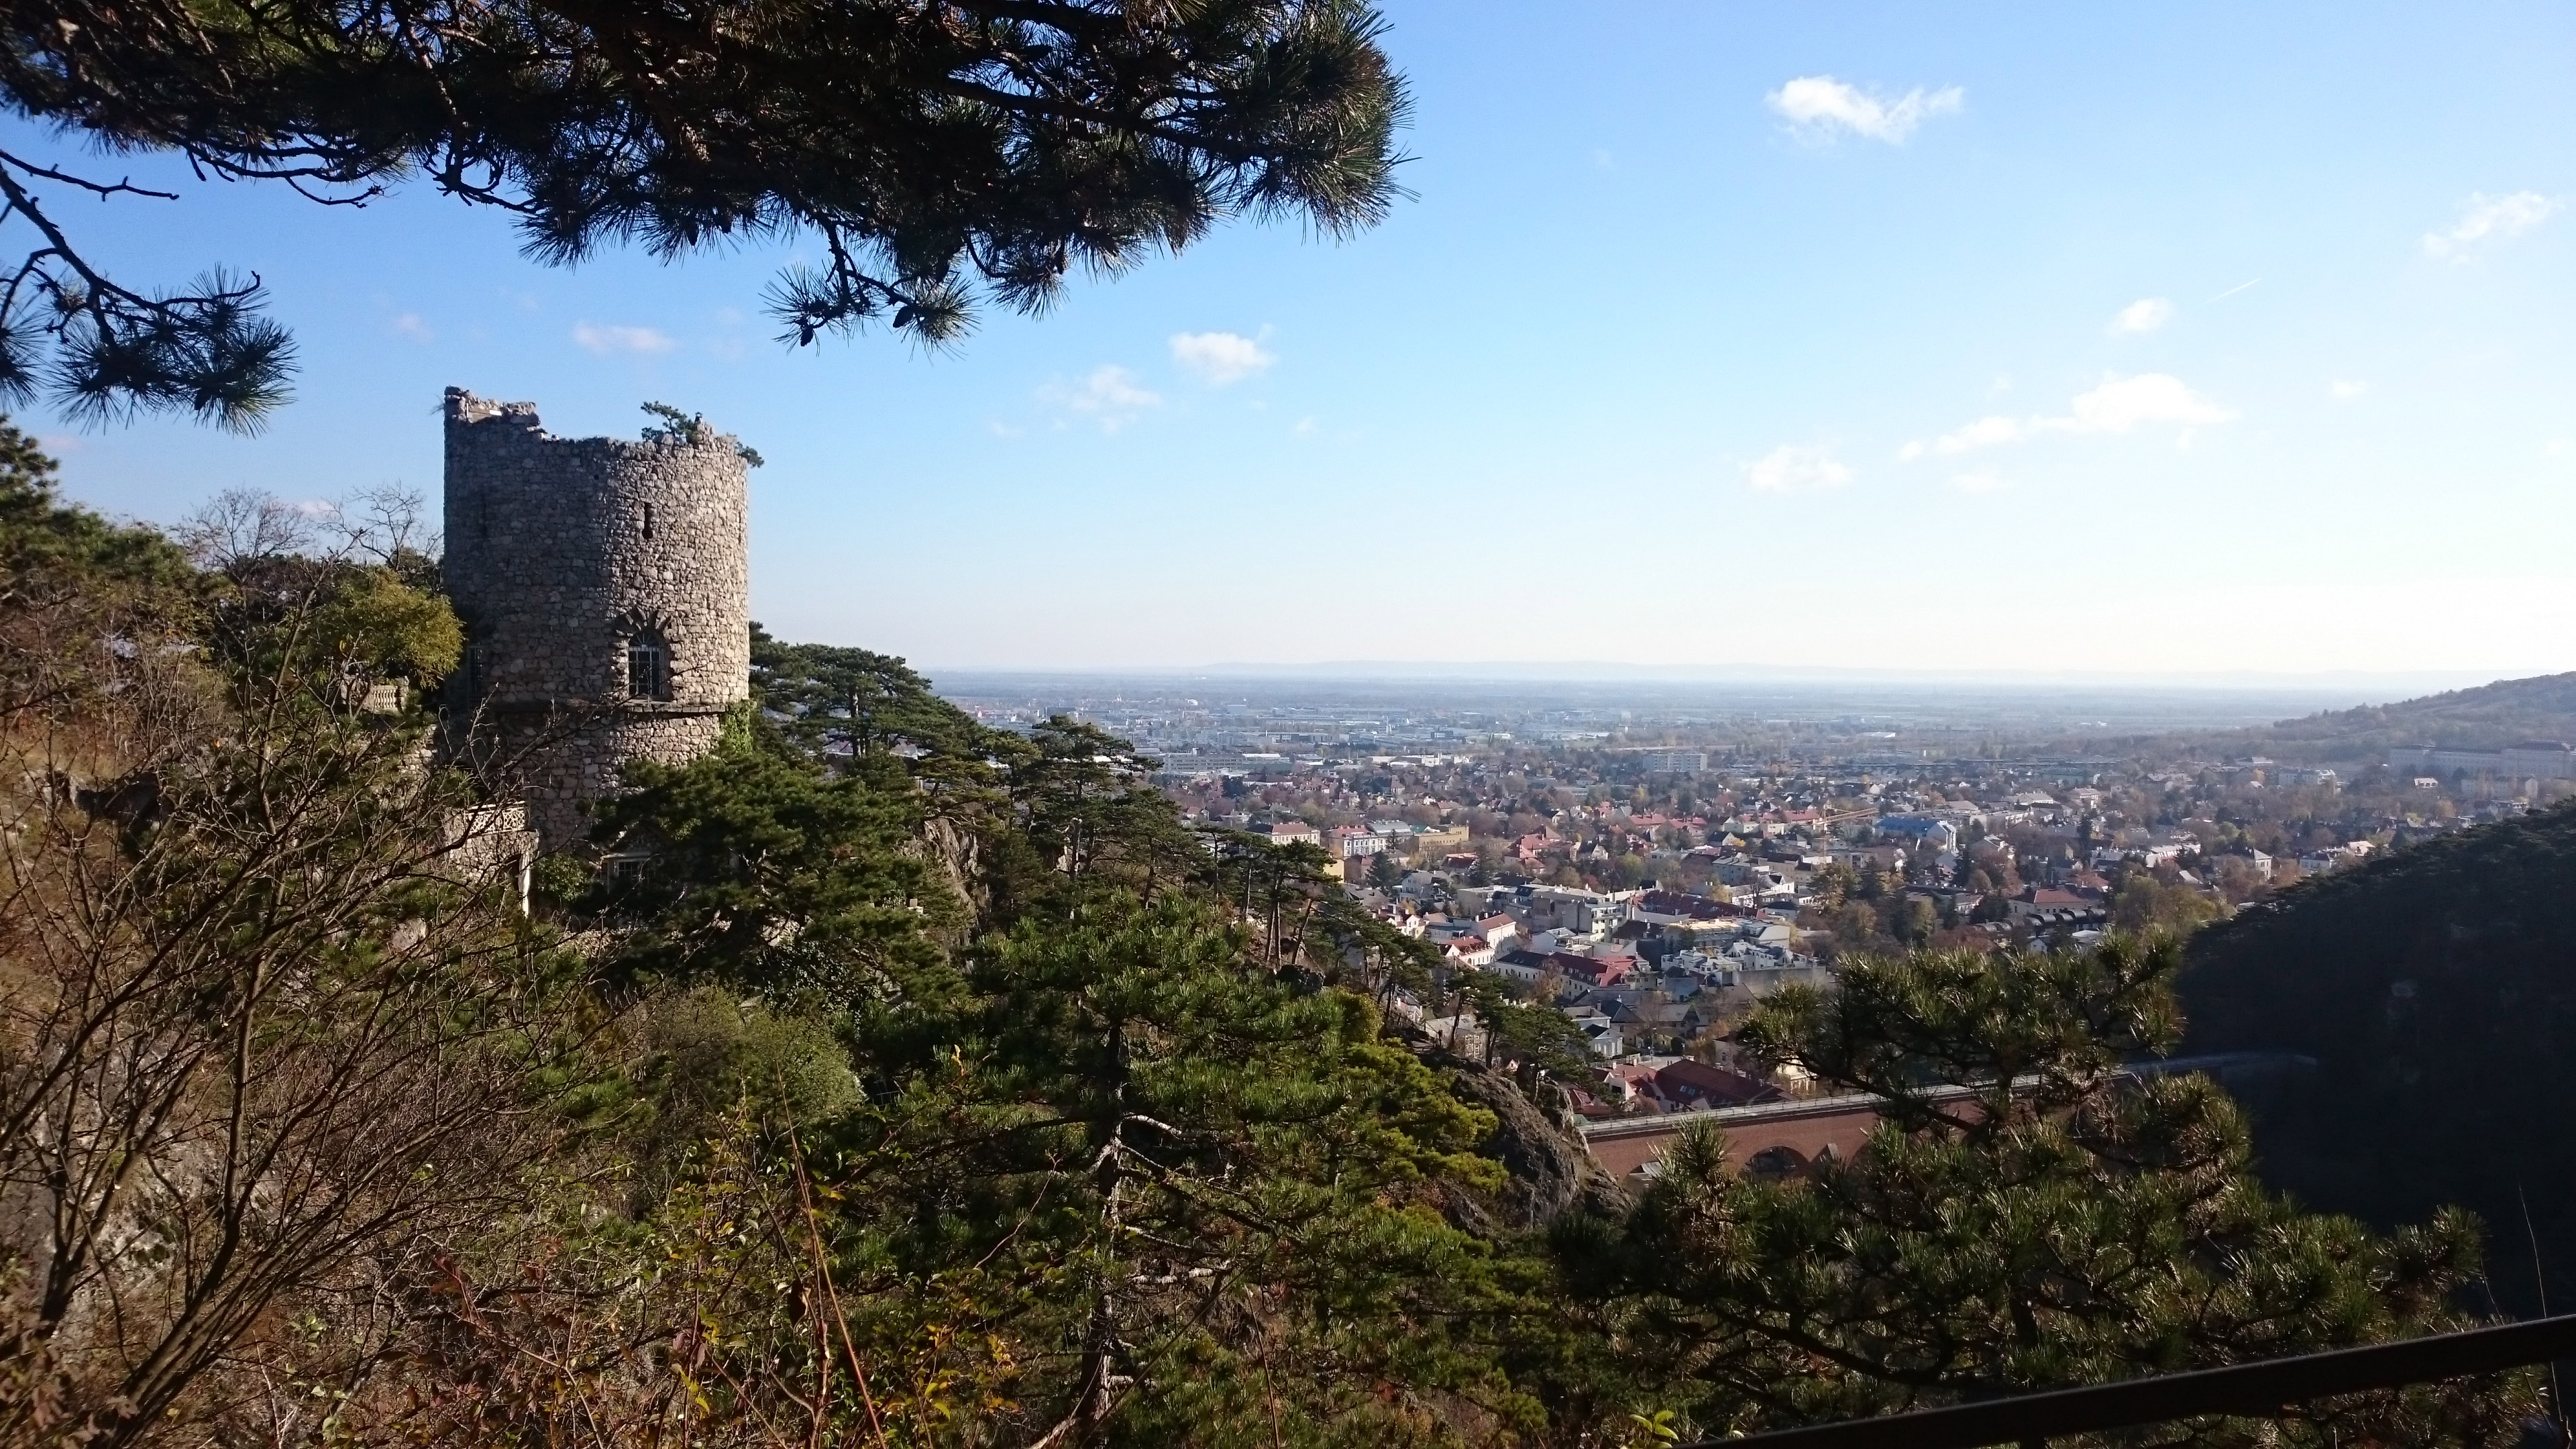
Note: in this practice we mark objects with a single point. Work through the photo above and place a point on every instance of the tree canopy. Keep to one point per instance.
(934, 151)
(2028, 1214)
(885, 1078)
(2429, 987)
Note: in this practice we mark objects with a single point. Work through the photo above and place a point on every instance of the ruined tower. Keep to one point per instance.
(605, 588)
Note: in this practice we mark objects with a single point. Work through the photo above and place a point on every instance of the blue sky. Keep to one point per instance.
(2168, 339)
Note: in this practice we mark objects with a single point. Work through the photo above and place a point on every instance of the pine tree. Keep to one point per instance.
(2027, 1215)
(929, 153)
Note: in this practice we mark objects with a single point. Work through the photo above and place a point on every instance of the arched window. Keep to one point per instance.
(648, 666)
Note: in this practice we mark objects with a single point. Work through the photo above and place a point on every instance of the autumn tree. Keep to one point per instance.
(242, 1080)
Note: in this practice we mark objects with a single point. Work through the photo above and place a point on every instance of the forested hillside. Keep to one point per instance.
(883, 1079)
(2487, 717)
(2436, 989)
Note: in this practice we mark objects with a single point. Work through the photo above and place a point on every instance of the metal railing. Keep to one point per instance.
(2252, 1390)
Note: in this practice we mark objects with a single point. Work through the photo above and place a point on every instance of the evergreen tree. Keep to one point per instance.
(841, 703)
(1179, 1180)
(2027, 1215)
(928, 151)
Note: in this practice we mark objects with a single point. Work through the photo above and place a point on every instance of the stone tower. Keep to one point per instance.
(605, 589)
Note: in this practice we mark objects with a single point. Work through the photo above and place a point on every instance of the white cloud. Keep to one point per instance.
(1980, 481)
(2485, 219)
(2346, 389)
(1821, 105)
(1985, 432)
(1109, 396)
(409, 325)
(605, 340)
(1792, 469)
(1305, 427)
(1220, 358)
(2119, 405)
(2143, 315)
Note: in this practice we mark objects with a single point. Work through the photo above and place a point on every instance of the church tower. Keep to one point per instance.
(605, 587)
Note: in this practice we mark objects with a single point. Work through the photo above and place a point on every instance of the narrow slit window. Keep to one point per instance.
(648, 521)
(648, 666)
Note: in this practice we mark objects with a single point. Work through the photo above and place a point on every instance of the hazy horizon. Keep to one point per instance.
(2415, 683)
(2174, 341)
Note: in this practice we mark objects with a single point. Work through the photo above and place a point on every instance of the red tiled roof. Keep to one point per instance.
(1698, 1082)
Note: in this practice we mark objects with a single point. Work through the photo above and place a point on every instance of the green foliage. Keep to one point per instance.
(2143, 903)
(1120, 1129)
(1834, 883)
(2023, 1031)
(670, 425)
(72, 585)
(48, 550)
(708, 1061)
(2073, 1226)
(1083, 812)
(928, 155)
(843, 703)
(919, 1083)
(329, 625)
(370, 620)
(756, 868)
(1257, 1167)
(2430, 988)
(1534, 1034)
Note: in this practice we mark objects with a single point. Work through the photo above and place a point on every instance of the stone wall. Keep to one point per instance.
(560, 551)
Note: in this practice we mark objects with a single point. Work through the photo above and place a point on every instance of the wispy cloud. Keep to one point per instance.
(409, 325)
(607, 340)
(2346, 389)
(1792, 469)
(1823, 106)
(2143, 315)
(1979, 481)
(1110, 396)
(2122, 403)
(1220, 358)
(2119, 405)
(2486, 220)
(1985, 432)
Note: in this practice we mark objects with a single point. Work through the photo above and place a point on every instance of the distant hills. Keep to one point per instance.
(2488, 717)
(2436, 990)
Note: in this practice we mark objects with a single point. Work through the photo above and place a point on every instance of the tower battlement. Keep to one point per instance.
(605, 587)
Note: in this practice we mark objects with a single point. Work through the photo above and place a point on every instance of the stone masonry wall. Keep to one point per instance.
(559, 550)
